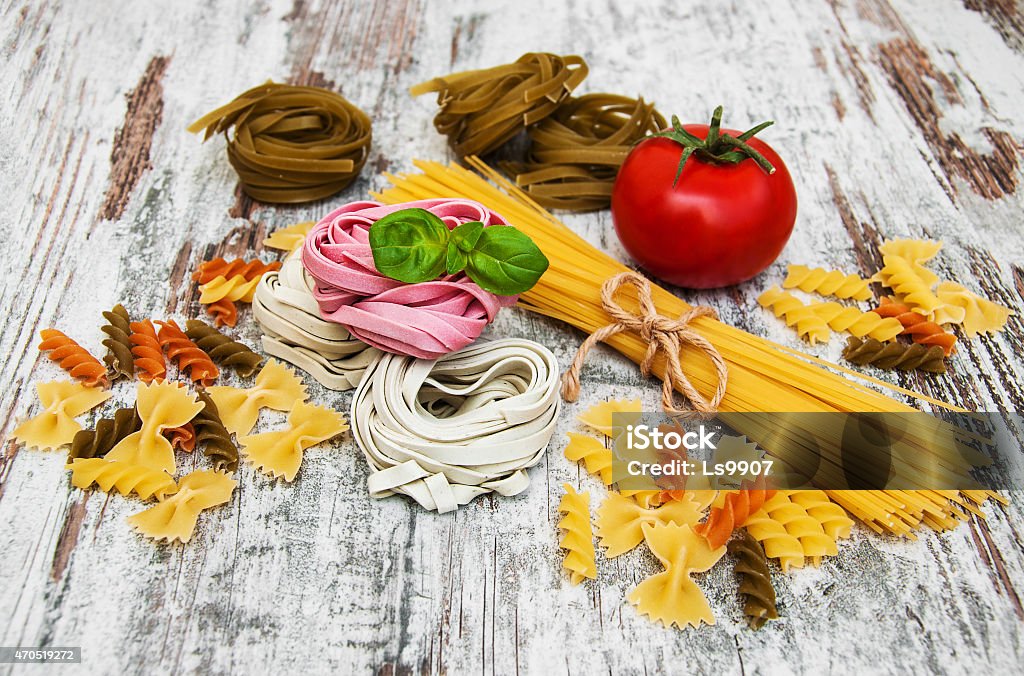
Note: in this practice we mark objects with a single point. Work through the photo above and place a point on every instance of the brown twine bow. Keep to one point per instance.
(662, 334)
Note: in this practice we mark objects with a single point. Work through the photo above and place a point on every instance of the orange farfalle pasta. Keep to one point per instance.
(672, 597)
(276, 387)
(736, 508)
(917, 326)
(279, 453)
(187, 354)
(176, 516)
(55, 426)
(149, 357)
(73, 358)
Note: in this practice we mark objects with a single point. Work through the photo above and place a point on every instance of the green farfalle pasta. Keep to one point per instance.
(291, 144)
(97, 442)
(119, 358)
(755, 579)
(576, 153)
(483, 109)
(214, 437)
(222, 349)
(895, 355)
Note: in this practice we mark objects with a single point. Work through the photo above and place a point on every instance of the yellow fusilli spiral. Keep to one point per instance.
(787, 306)
(850, 319)
(899, 275)
(578, 540)
(832, 517)
(826, 282)
(790, 533)
(595, 457)
(237, 288)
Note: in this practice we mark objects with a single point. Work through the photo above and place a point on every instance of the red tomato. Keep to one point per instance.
(720, 224)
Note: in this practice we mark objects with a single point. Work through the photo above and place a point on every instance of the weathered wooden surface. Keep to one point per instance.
(896, 119)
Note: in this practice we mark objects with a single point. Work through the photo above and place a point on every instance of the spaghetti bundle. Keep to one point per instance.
(763, 376)
(291, 144)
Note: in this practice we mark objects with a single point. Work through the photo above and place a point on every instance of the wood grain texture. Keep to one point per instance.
(896, 119)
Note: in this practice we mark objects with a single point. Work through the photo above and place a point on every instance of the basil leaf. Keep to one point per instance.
(505, 261)
(409, 245)
(457, 260)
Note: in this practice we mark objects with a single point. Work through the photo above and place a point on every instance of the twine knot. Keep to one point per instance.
(662, 334)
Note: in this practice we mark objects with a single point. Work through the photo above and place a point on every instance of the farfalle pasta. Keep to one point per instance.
(578, 537)
(293, 330)
(980, 315)
(276, 387)
(119, 358)
(424, 320)
(599, 416)
(279, 453)
(55, 425)
(289, 238)
(620, 520)
(175, 517)
(826, 282)
(222, 349)
(73, 358)
(916, 252)
(795, 313)
(143, 461)
(187, 354)
(149, 356)
(672, 597)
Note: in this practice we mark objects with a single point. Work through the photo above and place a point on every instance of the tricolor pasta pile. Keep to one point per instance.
(137, 450)
(920, 309)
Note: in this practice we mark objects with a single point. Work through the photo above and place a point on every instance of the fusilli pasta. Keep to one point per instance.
(73, 358)
(119, 358)
(787, 306)
(97, 442)
(917, 326)
(149, 357)
(578, 539)
(899, 275)
(895, 355)
(222, 349)
(216, 440)
(826, 282)
(187, 354)
(755, 580)
(595, 457)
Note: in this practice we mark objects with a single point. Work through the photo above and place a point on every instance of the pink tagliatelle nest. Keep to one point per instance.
(425, 320)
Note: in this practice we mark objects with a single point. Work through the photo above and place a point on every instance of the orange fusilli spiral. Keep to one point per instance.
(149, 358)
(183, 437)
(738, 507)
(187, 354)
(917, 326)
(218, 267)
(224, 312)
(73, 358)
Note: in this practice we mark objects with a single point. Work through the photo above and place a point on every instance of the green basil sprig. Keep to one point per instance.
(414, 245)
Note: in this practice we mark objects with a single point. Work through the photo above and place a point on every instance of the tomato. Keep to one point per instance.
(722, 221)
